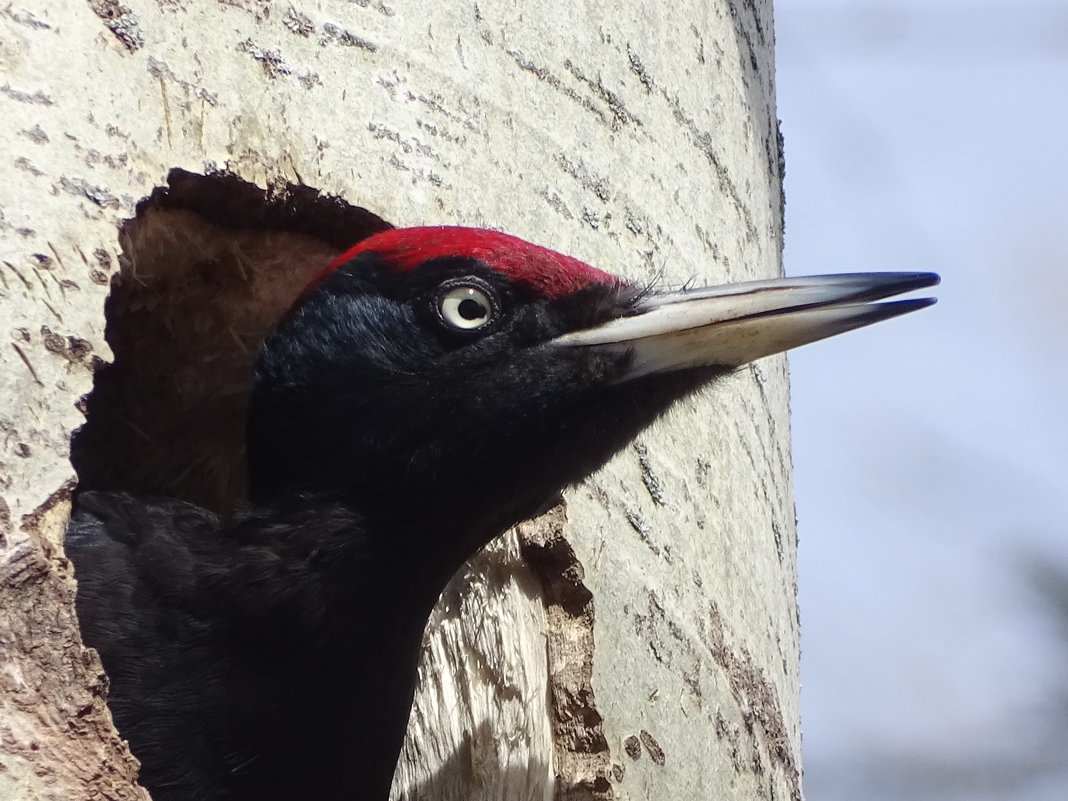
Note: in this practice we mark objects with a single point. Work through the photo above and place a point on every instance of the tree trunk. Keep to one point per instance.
(638, 641)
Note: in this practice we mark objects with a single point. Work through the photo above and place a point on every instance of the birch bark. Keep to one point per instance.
(641, 640)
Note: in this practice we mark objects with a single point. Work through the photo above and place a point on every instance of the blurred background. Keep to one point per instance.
(931, 452)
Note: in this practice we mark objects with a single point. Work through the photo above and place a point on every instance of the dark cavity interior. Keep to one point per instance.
(209, 263)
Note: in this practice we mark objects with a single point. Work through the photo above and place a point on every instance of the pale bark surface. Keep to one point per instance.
(638, 642)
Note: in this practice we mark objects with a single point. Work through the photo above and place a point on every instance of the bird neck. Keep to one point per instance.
(315, 563)
(318, 602)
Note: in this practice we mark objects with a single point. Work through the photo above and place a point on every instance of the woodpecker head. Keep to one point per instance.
(456, 379)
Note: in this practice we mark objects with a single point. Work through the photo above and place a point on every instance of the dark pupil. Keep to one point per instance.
(471, 309)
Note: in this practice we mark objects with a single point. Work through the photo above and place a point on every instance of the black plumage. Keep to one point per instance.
(434, 388)
(249, 657)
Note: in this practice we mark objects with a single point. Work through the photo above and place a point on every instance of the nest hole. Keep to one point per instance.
(208, 265)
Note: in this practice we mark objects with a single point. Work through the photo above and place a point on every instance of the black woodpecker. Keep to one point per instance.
(432, 388)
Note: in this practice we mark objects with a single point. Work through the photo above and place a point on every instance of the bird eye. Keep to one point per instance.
(466, 305)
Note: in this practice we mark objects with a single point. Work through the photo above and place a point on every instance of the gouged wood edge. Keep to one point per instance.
(582, 756)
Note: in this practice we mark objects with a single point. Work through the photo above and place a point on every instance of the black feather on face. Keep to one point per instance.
(369, 393)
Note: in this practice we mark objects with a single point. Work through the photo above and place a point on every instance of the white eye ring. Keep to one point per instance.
(466, 306)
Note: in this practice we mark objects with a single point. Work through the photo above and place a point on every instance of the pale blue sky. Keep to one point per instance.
(931, 452)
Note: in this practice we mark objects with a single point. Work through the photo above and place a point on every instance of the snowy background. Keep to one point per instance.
(931, 452)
